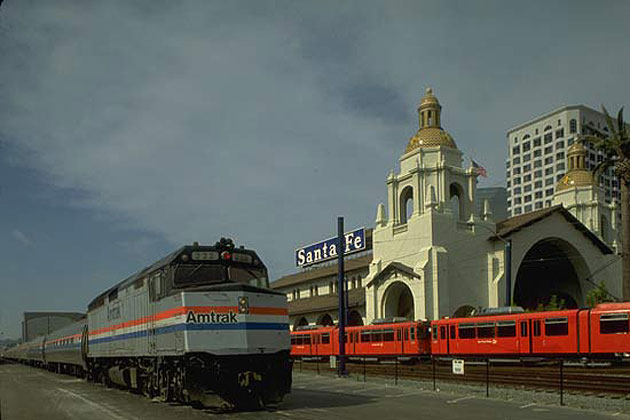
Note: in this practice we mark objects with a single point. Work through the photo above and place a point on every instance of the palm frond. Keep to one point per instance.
(609, 121)
(620, 123)
(602, 166)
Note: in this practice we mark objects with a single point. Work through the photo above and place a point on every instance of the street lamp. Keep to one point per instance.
(507, 262)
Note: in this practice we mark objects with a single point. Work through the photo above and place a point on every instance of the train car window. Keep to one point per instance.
(613, 324)
(453, 332)
(398, 335)
(467, 331)
(506, 329)
(442, 333)
(485, 330)
(292, 340)
(388, 335)
(377, 335)
(557, 326)
(307, 339)
(412, 332)
(356, 337)
(406, 334)
(523, 328)
(345, 338)
(365, 336)
(536, 328)
(435, 332)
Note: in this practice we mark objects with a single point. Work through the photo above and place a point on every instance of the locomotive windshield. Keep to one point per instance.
(202, 274)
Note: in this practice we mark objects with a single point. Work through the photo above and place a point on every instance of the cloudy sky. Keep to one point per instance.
(130, 128)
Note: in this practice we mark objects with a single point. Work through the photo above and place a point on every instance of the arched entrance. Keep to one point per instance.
(457, 202)
(300, 322)
(354, 319)
(464, 311)
(552, 266)
(398, 301)
(325, 320)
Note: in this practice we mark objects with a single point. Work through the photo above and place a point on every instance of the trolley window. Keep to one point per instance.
(467, 331)
(413, 333)
(365, 336)
(536, 328)
(485, 330)
(388, 335)
(523, 328)
(506, 329)
(613, 324)
(442, 333)
(398, 335)
(326, 338)
(377, 335)
(435, 332)
(307, 339)
(557, 326)
(453, 332)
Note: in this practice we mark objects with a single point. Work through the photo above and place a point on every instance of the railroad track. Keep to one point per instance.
(611, 381)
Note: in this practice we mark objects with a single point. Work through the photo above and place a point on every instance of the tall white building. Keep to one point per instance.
(537, 151)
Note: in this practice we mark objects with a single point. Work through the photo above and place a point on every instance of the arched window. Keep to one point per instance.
(573, 126)
(457, 201)
(526, 136)
(406, 204)
(548, 128)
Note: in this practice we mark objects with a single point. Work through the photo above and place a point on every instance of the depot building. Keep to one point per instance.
(429, 255)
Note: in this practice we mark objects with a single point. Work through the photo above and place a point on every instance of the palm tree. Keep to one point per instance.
(616, 148)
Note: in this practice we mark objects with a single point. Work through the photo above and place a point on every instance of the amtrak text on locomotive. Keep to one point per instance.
(211, 318)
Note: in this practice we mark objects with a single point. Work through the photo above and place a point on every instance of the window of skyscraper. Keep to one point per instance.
(537, 174)
(560, 155)
(537, 163)
(527, 158)
(573, 126)
(527, 178)
(538, 205)
(527, 188)
(516, 150)
(549, 191)
(548, 138)
(528, 208)
(537, 153)
(538, 194)
(538, 184)
(516, 160)
(547, 128)
(548, 150)
(559, 145)
(537, 142)
(527, 146)
(560, 166)
(560, 133)
(527, 168)
(549, 181)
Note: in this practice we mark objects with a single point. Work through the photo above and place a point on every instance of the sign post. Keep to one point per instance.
(341, 367)
(458, 366)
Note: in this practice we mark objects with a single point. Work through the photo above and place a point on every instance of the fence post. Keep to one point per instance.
(396, 377)
(300, 365)
(561, 382)
(317, 363)
(487, 377)
(363, 368)
(433, 362)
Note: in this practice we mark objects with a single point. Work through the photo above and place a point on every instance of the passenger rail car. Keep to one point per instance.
(592, 333)
(381, 340)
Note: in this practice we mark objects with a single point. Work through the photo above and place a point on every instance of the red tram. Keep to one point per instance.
(603, 331)
(599, 332)
(410, 338)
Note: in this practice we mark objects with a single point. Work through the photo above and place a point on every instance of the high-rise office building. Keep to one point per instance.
(537, 156)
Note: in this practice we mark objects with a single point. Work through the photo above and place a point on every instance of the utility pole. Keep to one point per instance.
(341, 367)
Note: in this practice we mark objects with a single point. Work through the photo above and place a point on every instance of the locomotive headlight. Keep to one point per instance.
(243, 305)
(184, 257)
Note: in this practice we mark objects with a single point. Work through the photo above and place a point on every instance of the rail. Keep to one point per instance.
(601, 378)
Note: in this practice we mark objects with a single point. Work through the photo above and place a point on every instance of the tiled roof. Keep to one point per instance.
(512, 225)
(356, 297)
(316, 273)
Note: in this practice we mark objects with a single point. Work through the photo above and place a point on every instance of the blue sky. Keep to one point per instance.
(128, 129)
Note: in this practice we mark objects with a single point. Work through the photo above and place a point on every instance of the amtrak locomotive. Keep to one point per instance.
(200, 321)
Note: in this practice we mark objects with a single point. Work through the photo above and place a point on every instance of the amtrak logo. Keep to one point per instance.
(211, 318)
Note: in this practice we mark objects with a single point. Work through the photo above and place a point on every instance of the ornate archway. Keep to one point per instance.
(552, 266)
(300, 322)
(398, 301)
(354, 319)
(325, 320)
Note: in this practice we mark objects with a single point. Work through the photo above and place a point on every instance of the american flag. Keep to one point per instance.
(479, 170)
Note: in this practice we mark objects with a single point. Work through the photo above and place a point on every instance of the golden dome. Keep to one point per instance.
(430, 137)
(577, 178)
(430, 133)
(578, 175)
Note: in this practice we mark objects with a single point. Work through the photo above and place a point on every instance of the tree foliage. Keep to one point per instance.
(598, 295)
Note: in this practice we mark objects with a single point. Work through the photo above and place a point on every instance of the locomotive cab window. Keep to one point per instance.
(613, 324)
(557, 326)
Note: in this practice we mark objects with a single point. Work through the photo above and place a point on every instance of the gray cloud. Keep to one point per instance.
(263, 121)
(21, 237)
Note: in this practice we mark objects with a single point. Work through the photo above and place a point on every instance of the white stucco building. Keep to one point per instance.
(433, 257)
